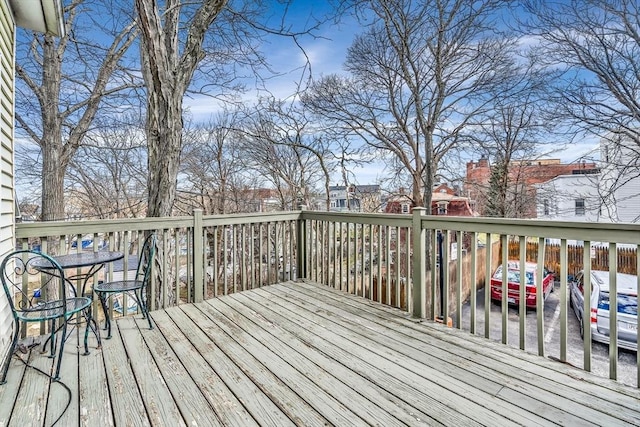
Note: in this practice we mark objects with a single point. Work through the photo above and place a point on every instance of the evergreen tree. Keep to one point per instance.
(498, 185)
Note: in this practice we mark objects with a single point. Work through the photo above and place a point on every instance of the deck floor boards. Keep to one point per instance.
(538, 372)
(324, 355)
(535, 394)
(303, 354)
(436, 377)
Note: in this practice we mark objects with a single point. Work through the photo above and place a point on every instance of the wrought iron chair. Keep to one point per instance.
(36, 289)
(135, 287)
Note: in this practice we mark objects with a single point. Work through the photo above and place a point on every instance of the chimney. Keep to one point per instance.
(470, 166)
(483, 162)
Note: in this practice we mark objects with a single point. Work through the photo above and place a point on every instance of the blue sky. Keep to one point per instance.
(327, 54)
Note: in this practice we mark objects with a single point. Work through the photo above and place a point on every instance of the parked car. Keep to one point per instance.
(513, 284)
(627, 287)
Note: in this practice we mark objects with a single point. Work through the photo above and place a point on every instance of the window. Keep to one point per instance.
(545, 202)
(627, 303)
(405, 208)
(579, 207)
(580, 281)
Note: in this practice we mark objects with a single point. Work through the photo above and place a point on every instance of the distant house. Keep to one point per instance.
(355, 198)
(399, 203)
(570, 198)
(444, 201)
(608, 194)
(263, 200)
(28, 212)
(523, 175)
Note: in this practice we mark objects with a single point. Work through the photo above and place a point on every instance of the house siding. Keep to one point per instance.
(560, 194)
(628, 198)
(7, 195)
(620, 184)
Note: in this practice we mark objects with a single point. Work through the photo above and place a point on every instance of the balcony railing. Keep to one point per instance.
(426, 265)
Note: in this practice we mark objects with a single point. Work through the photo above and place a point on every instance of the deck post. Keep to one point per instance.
(198, 256)
(419, 264)
(301, 245)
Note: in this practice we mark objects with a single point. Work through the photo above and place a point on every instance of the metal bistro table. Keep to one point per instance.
(95, 261)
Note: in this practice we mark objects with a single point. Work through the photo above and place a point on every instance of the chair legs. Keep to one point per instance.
(93, 325)
(51, 339)
(144, 309)
(56, 376)
(14, 344)
(7, 360)
(105, 309)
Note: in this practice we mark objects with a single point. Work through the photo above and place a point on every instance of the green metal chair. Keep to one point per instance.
(135, 287)
(37, 291)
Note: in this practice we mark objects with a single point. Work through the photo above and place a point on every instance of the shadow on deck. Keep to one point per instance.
(304, 354)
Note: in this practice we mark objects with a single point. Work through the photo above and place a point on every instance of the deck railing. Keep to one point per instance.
(427, 265)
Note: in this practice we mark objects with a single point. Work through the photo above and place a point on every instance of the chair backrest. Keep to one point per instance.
(143, 272)
(30, 279)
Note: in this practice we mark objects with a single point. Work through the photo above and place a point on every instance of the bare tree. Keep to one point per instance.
(288, 150)
(215, 175)
(417, 77)
(62, 83)
(595, 47)
(107, 176)
(513, 132)
(180, 38)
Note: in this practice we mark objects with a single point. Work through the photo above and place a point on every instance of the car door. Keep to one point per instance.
(547, 282)
(577, 295)
(627, 317)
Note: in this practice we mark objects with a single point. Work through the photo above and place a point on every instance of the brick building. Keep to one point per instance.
(522, 173)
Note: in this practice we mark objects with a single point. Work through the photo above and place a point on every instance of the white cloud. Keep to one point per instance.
(326, 55)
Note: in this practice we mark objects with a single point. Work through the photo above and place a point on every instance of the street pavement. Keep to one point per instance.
(627, 365)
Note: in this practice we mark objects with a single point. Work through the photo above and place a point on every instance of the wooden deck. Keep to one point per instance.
(303, 354)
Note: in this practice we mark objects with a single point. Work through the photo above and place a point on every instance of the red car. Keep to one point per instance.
(513, 275)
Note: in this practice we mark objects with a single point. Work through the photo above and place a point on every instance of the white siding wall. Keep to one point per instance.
(556, 199)
(7, 201)
(620, 184)
(628, 201)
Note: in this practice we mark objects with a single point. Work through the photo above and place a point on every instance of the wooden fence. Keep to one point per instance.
(599, 257)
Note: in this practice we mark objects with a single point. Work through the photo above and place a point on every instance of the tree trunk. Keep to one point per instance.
(167, 72)
(53, 161)
(53, 171)
(164, 140)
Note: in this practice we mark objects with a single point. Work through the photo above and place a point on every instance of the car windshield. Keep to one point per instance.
(513, 276)
(627, 304)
